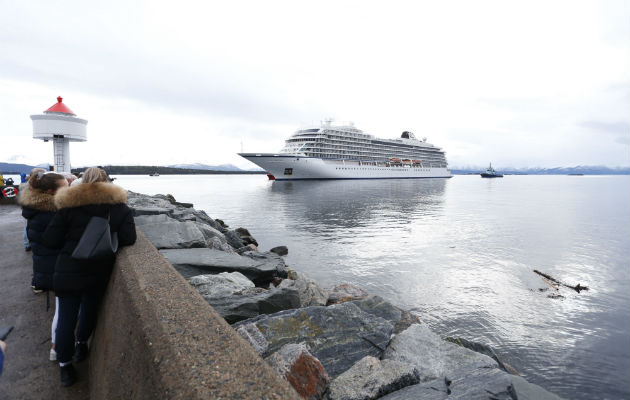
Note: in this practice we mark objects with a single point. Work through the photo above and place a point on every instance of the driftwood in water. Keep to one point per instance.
(577, 287)
(550, 284)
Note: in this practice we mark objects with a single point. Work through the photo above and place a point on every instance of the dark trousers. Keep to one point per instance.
(67, 321)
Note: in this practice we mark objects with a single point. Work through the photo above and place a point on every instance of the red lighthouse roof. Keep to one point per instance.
(59, 107)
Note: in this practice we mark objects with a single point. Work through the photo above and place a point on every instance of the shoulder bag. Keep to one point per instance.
(97, 242)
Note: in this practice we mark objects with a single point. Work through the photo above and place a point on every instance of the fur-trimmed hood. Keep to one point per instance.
(90, 193)
(36, 199)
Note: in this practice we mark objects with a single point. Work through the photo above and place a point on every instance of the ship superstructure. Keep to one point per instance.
(345, 152)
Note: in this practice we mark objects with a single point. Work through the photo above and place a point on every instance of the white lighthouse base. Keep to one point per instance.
(61, 149)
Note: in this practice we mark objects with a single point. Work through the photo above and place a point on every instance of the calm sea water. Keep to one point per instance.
(461, 253)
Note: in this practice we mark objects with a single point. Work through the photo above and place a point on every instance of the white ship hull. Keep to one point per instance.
(292, 167)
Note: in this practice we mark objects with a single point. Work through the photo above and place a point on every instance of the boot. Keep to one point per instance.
(81, 351)
(68, 375)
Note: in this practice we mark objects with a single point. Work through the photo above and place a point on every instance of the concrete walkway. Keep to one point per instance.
(27, 372)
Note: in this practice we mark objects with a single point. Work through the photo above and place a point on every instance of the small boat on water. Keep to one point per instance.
(154, 174)
(491, 173)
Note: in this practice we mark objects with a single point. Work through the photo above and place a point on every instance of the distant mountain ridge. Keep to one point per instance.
(15, 168)
(156, 169)
(222, 167)
(11, 168)
(580, 169)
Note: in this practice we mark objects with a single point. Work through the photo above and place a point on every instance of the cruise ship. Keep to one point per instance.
(345, 152)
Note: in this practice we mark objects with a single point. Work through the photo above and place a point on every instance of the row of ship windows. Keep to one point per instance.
(386, 169)
(368, 150)
(345, 134)
(331, 135)
(372, 149)
(414, 156)
(374, 158)
(363, 143)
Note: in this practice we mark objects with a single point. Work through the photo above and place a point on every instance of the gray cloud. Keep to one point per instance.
(619, 127)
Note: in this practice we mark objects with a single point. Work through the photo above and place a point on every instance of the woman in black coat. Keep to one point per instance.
(38, 207)
(81, 284)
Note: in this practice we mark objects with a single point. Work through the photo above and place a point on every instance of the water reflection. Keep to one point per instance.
(359, 203)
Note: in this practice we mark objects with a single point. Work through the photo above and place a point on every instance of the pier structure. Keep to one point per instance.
(156, 337)
(61, 125)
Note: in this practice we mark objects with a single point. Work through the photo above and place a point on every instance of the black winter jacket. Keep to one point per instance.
(76, 206)
(39, 209)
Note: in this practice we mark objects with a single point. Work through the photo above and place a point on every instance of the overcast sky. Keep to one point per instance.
(519, 83)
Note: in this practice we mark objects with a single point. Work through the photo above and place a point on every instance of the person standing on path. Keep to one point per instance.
(38, 207)
(23, 186)
(81, 284)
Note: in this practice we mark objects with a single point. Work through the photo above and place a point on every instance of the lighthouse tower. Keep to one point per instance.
(60, 125)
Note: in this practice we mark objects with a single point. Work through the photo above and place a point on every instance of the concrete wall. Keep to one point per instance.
(158, 338)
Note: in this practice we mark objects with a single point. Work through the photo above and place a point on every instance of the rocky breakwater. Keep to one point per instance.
(335, 343)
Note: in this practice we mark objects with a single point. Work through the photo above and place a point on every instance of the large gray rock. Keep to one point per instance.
(252, 302)
(432, 356)
(214, 238)
(165, 204)
(338, 335)
(167, 233)
(148, 205)
(345, 292)
(220, 285)
(171, 199)
(378, 306)
(431, 390)
(234, 239)
(191, 262)
(150, 219)
(269, 258)
(371, 378)
(138, 211)
(280, 250)
(216, 243)
(528, 391)
(480, 383)
(483, 349)
(203, 217)
(474, 381)
(246, 237)
(309, 291)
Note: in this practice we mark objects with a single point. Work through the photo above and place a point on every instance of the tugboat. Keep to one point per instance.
(491, 173)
